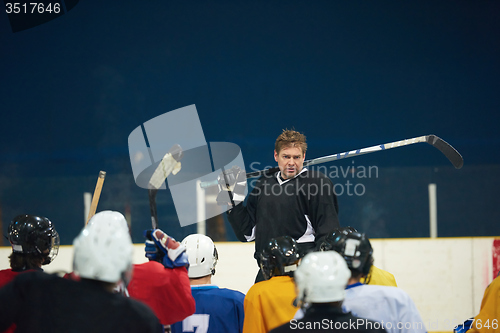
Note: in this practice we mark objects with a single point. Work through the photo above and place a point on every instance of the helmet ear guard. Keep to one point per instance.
(54, 249)
(216, 259)
(265, 265)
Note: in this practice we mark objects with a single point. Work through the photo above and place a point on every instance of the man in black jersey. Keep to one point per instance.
(294, 201)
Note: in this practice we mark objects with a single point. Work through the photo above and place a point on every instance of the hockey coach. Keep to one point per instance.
(293, 201)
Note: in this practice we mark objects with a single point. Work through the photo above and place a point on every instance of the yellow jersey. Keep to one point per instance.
(269, 304)
(380, 277)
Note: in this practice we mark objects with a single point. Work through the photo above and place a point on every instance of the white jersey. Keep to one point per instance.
(390, 306)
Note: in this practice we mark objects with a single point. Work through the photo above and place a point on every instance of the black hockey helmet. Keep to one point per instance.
(355, 247)
(348, 230)
(279, 257)
(327, 243)
(31, 234)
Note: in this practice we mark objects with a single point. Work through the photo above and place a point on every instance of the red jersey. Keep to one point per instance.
(7, 275)
(166, 291)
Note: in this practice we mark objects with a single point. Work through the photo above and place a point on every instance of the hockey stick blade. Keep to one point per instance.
(170, 163)
(451, 153)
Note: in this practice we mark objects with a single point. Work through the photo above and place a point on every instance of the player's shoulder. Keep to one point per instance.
(391, 290)
(388, 292)
(216, 294)
(35, 275)
(6, 275)
(226, 295)
(271, 286)
(34, 279)
(148, 266)
(381, 277)
(6, 271)
(267, 178)
(495, 284)
(256, 288)
(155, 267)
(376, 288)
(232, 294)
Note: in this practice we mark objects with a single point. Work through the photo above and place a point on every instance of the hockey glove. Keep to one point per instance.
(167, 250)
(152, 251)
(232, 186)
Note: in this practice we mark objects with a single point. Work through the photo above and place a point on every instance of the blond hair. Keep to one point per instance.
(290, 138)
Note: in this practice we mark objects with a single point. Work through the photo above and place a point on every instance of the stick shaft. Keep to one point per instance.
(152, 207)
(363, 151)
(451, 153)
(96, 196)
(348, 154)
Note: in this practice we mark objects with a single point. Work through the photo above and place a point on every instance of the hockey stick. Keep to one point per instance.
(170, 163)
(444, 147)
(96, 196)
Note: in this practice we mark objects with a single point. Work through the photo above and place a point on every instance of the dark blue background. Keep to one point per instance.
(349, 74)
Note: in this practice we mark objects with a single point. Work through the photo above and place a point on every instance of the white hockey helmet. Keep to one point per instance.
(322, 277)
(202, 255)
(103, 249)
